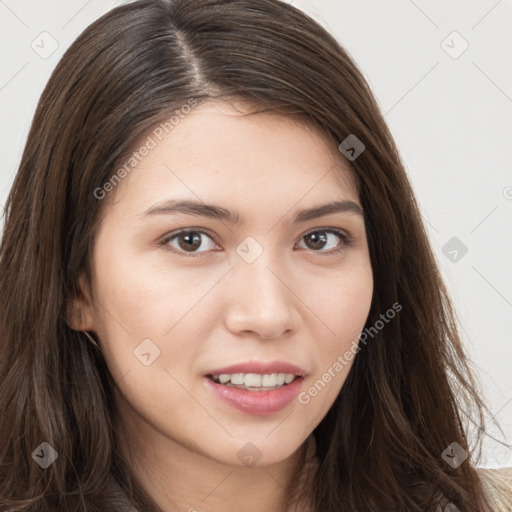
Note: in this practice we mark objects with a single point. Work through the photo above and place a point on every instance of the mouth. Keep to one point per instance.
(256, 388)
(254, 381)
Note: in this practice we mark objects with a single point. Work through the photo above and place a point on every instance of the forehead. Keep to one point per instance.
(220, 149)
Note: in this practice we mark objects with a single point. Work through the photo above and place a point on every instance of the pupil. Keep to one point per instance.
(190, 239)
(318, 241)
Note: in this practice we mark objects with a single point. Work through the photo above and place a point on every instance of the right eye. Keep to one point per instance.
(187, 241)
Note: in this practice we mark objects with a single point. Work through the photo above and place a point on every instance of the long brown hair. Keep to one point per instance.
(410, 390)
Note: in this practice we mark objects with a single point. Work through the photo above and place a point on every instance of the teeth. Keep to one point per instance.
(237, 378)
(269, 380)
(252, 380)
(255, 380)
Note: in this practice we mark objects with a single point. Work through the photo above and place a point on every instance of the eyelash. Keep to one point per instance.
(346, 241)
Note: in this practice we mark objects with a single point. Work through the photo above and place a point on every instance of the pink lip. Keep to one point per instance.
(256, 402)
(264, 368)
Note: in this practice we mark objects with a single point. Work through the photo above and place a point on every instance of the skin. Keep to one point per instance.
(294, 303)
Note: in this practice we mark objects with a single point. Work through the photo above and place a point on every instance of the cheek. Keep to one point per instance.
(340, 299)
(145, 295)
(140, 299)
(340, 305)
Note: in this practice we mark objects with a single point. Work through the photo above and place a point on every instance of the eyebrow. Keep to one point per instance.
(200, 209)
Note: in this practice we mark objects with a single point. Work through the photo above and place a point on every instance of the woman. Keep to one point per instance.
(216, 289)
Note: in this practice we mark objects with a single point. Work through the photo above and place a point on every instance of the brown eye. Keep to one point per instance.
(326, 239)
(189, 241)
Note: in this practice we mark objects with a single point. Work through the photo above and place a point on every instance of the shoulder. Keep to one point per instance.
(498, 486)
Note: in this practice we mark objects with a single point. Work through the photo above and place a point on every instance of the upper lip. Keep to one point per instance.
(261, 367)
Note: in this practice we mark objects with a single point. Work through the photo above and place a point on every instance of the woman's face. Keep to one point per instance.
(255, 279)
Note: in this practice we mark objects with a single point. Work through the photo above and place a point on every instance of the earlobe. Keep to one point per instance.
(79, 309)
(74, 317)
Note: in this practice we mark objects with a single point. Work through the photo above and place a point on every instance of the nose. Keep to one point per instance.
(261, 301)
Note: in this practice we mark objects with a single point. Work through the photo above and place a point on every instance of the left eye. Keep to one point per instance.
(323, 237)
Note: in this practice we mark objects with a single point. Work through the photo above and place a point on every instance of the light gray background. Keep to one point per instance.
(450, 116)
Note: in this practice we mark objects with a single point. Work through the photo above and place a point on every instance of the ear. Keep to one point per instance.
(79, 309)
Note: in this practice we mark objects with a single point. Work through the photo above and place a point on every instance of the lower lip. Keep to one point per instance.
(257, 402)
